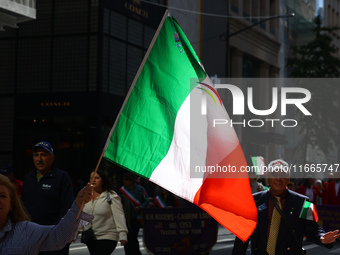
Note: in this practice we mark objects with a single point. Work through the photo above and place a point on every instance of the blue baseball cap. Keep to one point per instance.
(6, 170)
(45, 145)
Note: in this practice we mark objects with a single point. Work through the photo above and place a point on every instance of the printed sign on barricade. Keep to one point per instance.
(329, 216)
(178, 230)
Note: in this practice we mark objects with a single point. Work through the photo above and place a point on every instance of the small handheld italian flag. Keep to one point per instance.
(259, 163)
(308, 212)
(160, 202)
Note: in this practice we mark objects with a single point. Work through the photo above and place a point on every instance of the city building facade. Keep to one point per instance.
(64, 75)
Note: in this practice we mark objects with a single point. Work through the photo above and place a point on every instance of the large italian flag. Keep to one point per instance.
(156, 136)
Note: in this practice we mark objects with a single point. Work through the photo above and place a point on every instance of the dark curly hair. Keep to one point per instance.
(107, 182)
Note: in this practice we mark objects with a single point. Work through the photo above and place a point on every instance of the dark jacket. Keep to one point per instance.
(286, 244)
(48, 200)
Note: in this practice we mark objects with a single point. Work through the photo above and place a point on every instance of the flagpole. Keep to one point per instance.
(128, 94)
(136, 77)
(95, 171)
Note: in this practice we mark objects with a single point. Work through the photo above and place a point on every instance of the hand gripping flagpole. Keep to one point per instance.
(95, 171)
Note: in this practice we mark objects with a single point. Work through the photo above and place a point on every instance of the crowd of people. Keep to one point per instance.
(320, 192)
(280, 226)
(47, 194)
(43, 204)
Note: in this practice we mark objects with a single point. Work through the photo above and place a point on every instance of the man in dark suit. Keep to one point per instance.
(291, 203)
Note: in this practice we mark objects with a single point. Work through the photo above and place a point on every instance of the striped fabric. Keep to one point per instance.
(28, 238)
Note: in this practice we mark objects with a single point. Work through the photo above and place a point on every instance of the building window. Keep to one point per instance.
(7, 66)
(117, 68)
(255, 11)
(337, 24)
(33, 71)
(329, 16)
(246, 8)
(250, 67)
(272, 13)
(123, 51)
(6, 124)
(263, 12)
(71, 16)
(70, 73)
(234, 6)
(118, 25)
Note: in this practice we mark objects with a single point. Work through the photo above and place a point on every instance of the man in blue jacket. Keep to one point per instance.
(47, 192)
(291, 204)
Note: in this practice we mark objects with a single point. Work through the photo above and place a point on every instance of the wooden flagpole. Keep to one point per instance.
(95, 171)
(129, 92)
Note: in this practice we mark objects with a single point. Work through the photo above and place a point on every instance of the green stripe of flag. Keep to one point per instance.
(304, 210)
(147, 119)
(258, 162)
(308, 211)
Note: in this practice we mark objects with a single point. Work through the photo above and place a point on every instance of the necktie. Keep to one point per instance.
(274, 229)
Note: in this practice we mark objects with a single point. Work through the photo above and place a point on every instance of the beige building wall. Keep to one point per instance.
(260, 42)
